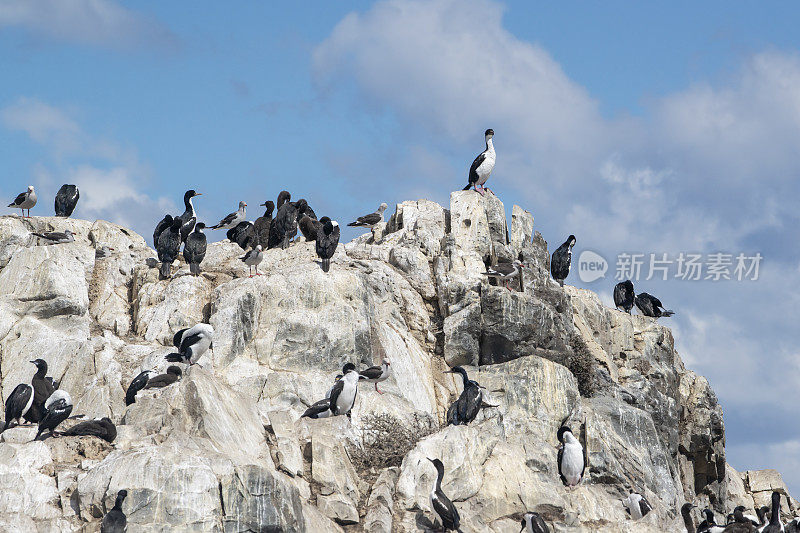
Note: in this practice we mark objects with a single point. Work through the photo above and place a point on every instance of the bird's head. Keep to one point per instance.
(41, 364)
(489, 133)
(30, 188)
(383, 207)
(301, 205)
(174, 370)
(565, 434)
(571, 241)
(200, 226)
(386, 362)
(242, 204)
(437, 464)
(348, 367)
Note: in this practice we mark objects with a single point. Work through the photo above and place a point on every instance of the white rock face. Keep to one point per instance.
(225, 449)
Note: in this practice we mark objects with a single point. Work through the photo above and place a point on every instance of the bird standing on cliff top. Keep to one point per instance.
(262, 223)
(327, 241)
(232, 219)
(66, 200)
(188, 218)
(561, 260)
(252, 259)
(483, 165)
(571, 462)
(371, 220)
(25, 200)
(194, 251)
(440, 503)
(243, 234)
(533, 523)
(168, 247)
(624, 296)
(651, 306)
(115, 520)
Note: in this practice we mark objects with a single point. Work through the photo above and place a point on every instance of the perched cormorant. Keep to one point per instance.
(102, 428)
(305, 209)
(163, 224)
(160, 381)
(262, 223)
(115, 520)
(231, 220)
(191, 343)
(651, 306)
(504, 271)
(709, 525)
(319, 409)
(252, 259)
(466, 407)
(533, 523)
(138, 383)
(169, 246)
(371, 220)
(376, 374)
(482, 167)
(440, 503)
(343, 393)
(309, 227)
(775, 525)
(559, 265)
(637, 505)
(284, 226)
(571, 462)
(57, 408)
(327, 241)
(188, 218)
(57, 237)
(17, 404)
(624, 296)
(243, 234)
(283, 197)
(194, 251)
(66, 200)
(43, 387)
(686, 514)
(25, 200)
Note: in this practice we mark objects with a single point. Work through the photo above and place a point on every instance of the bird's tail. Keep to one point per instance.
(467, 187)
(353, 224)
(39, 235)
(326, 265)
(668, 313)
(174, 358)
(165, 270)
(194, 268)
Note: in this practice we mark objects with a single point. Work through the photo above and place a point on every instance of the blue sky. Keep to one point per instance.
(656, 129)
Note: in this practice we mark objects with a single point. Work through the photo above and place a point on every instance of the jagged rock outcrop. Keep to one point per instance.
(225, 450)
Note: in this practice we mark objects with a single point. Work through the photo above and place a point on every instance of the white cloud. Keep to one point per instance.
(44, 123)
(93, 22)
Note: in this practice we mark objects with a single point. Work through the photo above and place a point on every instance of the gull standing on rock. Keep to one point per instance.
(483, 165)
(504, 272)
(25, 200)
(194, 251)
(57, 237)
(66, 200)
(231, 220)
(440, 503)
(376, 374)
(327, 241)
(191, 343)
(571, 462)
(252, 259)
(371, 220)
(561, 260)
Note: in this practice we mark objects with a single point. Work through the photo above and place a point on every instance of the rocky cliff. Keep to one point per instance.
(225, 450)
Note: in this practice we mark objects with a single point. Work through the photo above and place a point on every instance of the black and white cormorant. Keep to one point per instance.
(327, 241)
(775, 525)
(343, 393)
(284, 226)
(56, 237)
(466, 407)
(738, 522)
(637, 505)
(115, 520)
(709, 525)
(533, 523)
(651, 306)
(191, 343)
(262, 223)
(482, 166)
(571, 463)
(441, 504)
(66, 199)
(43, 387)
(57, 408)
(232, 219)
(322, 408)
(25, 200)
(138, 383)
(160, 381)
(624, 296)
(189, 217)
(243, 234)
(504, 272)
(17, 404)
(371, 220)
(560, 262)
(102, 428)
(376, 374)
(252, 259)
(194, 251)
(309, 227)
(162, 225)
(168, 248)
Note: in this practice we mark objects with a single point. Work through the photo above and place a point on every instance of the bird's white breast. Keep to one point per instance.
(572, 462)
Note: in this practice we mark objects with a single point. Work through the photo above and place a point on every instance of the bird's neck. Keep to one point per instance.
(489, 145)
(688, 522)
(776, 513)
(40, 373)
(189, 206)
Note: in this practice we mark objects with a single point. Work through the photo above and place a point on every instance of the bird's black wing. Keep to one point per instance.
(473, 169)
(470, 403)
(227, 220)
(644, 505)
(558, 459)
(317, 408)
(559, 265)
(17, 401)
(55, 414)
(136, 385)
(19, 199)
(446, 511)
(619, 294)
(176, 339)
(337, 389)
(189, 341)
(368, 220)
(373, 372)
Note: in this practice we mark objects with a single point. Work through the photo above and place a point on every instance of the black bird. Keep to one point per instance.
(624, 296)
(651, 306)
(160, 381)
(320, 409)
(262, 223)
(559, 265)
(284, 226)
(688, 521)
(482, 166)
(18, 404)
(468, 404)
(115, 520)
(340, 398)
(309, 227)
(533, 523)
(164, 224)
(169, 246)
(102, 428)
(57, 408)
(775, 525)
(305, 210)
(709, 525)
(283, 197)
(740, 523)
(188, 218)
(441, 504)
(194, 251)
(191, 343)
(43, 387)
(244, 235)
(66, 200)
(327, 241)
(371, 220)
(138, 383)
